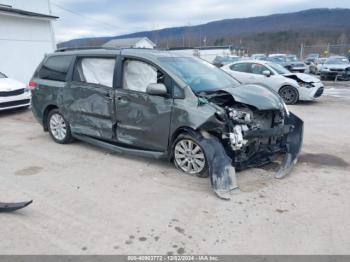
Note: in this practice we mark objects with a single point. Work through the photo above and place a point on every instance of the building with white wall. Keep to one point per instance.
(26, 35)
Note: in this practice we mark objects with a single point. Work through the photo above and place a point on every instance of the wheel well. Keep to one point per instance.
(48, 109)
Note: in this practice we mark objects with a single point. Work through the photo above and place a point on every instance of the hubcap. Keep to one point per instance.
(288, 95)
(189, 157)
(58, 126)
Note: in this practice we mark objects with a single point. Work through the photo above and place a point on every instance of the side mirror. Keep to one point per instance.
(156, 89)
(267, 73)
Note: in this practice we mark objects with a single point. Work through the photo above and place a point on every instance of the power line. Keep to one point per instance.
(86, 17)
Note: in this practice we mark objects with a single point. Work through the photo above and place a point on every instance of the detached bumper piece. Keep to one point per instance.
(222, 173)
(294, 142)
(11, 207)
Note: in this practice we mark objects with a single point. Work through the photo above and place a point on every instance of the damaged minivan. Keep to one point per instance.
(153, 103)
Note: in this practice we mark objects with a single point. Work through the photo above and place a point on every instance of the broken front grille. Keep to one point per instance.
(14, 103)
(12, 93)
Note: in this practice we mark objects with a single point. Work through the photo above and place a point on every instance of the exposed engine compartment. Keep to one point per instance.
(250, 136)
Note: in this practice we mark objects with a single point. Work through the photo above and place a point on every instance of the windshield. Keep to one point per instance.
(2, 75)
(292, 58)
(198, 74)
(337, 61)
(278, 68)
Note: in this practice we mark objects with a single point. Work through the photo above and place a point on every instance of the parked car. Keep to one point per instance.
(294, 64)
(153, 103)
(290, 62)
(336, 67)
(220, 61)
(292, 87)
(13, 94)
(258, 57)
(311, 58)
(316, 67)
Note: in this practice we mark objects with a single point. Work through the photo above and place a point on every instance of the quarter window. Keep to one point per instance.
(99, 71)
(55, 68)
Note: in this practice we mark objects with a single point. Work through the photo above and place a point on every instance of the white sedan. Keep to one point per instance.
(292, 87)
(13, 94)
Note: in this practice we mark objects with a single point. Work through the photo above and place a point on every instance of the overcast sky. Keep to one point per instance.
(114, 17)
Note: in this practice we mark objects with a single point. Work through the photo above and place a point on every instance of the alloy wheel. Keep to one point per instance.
(58, 127)
(189, 157)
(289, 95)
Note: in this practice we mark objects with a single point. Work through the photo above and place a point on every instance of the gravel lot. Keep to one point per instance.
(88, 201)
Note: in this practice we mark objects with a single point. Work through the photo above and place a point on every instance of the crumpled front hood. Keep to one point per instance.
(258, 96)
(303, 77)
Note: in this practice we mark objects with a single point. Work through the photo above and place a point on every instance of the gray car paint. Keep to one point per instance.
(140, 123)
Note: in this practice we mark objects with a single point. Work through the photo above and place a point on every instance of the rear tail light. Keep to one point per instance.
(32, 85)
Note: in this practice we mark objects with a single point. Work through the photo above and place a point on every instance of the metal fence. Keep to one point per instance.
(325, 50)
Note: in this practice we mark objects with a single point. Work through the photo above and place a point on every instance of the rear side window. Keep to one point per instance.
(55, 68)
(241, 67)
(99, 71)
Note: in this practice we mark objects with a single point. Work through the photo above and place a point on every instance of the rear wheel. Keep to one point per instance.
(59, 127)
(289, 94)
(189, 157)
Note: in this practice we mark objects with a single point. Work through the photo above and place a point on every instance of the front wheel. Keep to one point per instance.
(59, 127)
(289, 94)
(189, 157)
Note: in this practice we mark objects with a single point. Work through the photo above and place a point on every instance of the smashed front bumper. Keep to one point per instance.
(294, 142)
(222, 167)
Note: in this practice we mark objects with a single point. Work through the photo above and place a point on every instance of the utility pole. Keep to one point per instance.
(328, 49)
(302, 51)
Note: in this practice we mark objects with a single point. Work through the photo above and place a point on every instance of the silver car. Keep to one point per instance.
(336, 67)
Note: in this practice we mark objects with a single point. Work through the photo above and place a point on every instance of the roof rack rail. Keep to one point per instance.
(65, 49)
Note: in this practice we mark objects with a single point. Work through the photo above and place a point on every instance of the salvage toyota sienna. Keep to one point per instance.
(154, 103)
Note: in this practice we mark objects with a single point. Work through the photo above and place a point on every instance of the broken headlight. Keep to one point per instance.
(306, 85)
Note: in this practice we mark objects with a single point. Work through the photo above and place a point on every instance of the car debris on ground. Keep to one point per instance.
(11, 207)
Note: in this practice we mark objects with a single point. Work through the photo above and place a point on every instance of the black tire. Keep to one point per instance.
(67, 138)
(187, 137)
(289, 94)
